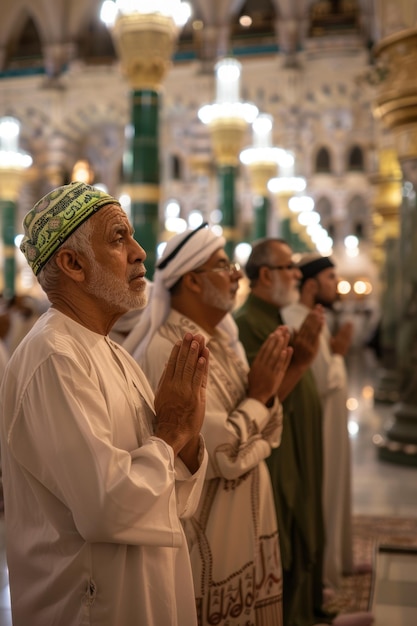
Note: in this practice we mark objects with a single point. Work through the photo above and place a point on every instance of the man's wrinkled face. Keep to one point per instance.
(116, 272)
(220, 281)
(285, 276)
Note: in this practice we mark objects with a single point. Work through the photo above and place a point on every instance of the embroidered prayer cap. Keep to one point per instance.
(183, 253)
(312, 264)
(56, 216)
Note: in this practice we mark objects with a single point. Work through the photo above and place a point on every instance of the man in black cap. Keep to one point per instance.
(318, 285)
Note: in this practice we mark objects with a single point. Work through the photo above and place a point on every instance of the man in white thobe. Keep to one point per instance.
(97, 472)
(319, 286)
(233, 536)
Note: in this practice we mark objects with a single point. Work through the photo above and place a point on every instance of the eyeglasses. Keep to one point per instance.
(230, 268)
(290, 266)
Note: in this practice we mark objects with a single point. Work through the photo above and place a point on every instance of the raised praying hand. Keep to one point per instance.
(180, 400)
(269, 366)
(305, 341)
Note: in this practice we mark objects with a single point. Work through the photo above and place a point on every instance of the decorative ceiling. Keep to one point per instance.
(40, 34)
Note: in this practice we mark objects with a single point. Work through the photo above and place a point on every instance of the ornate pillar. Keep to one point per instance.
(228, 119)
(396, 105)
(13, 163)
(285, 187)
(227, 135)
(386, 222)
(145, 43)
(10, 181)
(260, 173)
(261, 160)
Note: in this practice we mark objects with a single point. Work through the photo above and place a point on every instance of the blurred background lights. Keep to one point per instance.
(172, 209)
(307, 218)
(217, 230)
(359, 287)
(160, 249)
(216, 216)
(179, 11)
(245, 21)
(351, 242)
(175, 224)
(242, 252)
(343, 287)
(18, 240)
(362, 287)
(126, 203)
(300, 204)
(353, 428)
(195, 219)
(352, 404)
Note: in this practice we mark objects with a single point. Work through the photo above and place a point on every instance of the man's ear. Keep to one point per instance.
(312, 286)
(265, 275)
(70, 263)
(192, 282)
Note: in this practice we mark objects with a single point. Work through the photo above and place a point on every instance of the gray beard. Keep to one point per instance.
(109, 289)
(215, 298)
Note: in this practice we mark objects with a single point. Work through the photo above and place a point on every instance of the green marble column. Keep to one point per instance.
(8, 211)
(227, 206)
(396, 106)
(399, 443)
(145, 43)
(144, 174)
(386, 204)
(261, 217)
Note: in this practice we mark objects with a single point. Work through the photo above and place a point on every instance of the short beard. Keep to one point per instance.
(283, 296)
(215, 298)
(108, 288)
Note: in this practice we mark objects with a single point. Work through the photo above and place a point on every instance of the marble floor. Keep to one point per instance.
(379, 488)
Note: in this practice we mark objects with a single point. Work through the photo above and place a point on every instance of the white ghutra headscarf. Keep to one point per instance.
(183, 253)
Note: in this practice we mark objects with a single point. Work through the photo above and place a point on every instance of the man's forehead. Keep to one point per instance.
(282, 249)
(111, 215)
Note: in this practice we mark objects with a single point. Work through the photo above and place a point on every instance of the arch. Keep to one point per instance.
(323, 164)
(175, 167)
(324, 207)
(24, 46)
(355, 159)
(358, 216)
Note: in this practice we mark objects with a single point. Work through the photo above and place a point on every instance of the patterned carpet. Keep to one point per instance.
(368, 533)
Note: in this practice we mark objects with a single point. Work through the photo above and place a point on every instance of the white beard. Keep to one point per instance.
(215, 298)
(109, 288)
(281, 295)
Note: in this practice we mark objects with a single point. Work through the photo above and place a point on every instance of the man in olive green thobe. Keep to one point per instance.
(295, 467)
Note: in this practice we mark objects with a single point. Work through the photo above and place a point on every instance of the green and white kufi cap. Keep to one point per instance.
(55, 217)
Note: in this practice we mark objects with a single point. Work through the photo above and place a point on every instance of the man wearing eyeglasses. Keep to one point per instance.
(296, 466)
(233, 537)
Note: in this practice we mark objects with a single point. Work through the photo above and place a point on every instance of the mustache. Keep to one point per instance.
(138, 272)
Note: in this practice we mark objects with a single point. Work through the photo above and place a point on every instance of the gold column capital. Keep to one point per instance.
(10, 182)
(396, 99)
(260, 173)
(283, 198)
(145, 44)
(227, 135)
(386, 202)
